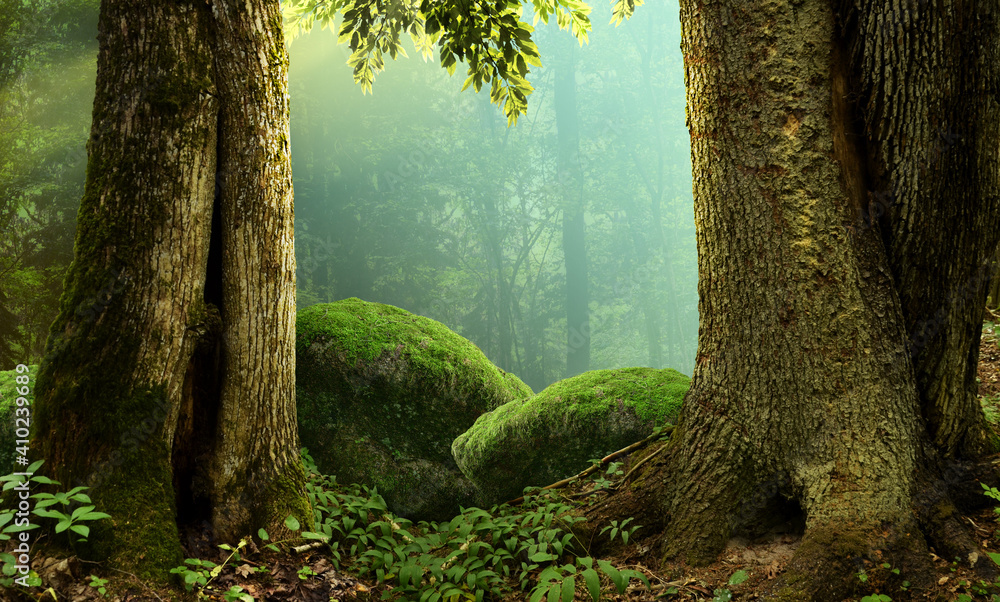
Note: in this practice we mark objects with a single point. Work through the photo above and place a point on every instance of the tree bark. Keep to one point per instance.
(168, 381)
(809, 386)
(926, 74)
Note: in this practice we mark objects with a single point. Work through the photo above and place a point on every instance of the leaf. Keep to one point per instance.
(292, 523)
(568, 588)
(262, 534)
(593, 581)
(542, 557)
(83, 530)
(738, 577)
(614, 574)
(314, 535)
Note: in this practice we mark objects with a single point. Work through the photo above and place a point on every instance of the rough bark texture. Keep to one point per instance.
(258, 474)
(801, 353)
(926, 74)
(804, 388)
(128, 393)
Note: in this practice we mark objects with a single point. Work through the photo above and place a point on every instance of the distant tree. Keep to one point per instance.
(574, 207)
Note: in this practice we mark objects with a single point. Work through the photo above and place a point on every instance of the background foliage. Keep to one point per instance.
(419, 195)
(48, 57)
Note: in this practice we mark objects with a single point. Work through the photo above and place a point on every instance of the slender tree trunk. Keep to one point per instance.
(574, 227)
(647, 287)
(168, 383)
(804, 389)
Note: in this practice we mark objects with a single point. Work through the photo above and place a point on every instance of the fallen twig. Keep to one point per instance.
(308, 546)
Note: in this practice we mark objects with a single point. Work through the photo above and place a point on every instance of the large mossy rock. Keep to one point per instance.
(553, 435)
(381, 395)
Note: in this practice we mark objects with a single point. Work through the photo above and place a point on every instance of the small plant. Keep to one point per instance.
(200, 573)
(724, 594)
(876, 598)
(617, 528)
(306, 572)
(77, 512)
(236, 594)
(478, 554)
(99, 584)
(73, 521)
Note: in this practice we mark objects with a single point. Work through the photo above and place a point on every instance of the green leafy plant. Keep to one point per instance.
(72, 521)
(724, 594)
(236, 594)
(876, 598)
(478, 554)
(200, 573)
(617, 528)
(305, 573)
(77, 511)
(98, 584)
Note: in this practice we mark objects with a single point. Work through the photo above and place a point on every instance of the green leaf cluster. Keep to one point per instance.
(489, 37)
(69, 511)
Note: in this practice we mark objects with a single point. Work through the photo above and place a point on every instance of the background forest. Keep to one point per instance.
(418, 196)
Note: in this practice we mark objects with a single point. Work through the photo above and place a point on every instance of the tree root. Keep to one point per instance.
(657, 434)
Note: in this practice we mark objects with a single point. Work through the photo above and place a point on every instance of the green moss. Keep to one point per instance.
(555, 433)
(654, 395)
(405, 386)
(284, 494)
(141, 535)
(365, 332)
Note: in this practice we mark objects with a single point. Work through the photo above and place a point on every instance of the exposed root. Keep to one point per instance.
(657, 435)
(836, 562)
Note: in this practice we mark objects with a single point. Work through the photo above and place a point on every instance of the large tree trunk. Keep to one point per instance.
(168, 382)
(809, 384)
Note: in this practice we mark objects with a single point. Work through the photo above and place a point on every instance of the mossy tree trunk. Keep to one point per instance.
(168, 381)
(838, 341)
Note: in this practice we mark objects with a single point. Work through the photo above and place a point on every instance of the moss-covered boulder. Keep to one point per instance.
(8, 405)
(552, 435)
(381, 395)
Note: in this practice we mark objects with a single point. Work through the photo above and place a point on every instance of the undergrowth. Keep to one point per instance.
(478, 555)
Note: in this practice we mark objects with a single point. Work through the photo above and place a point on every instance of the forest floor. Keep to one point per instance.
(310, 576)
